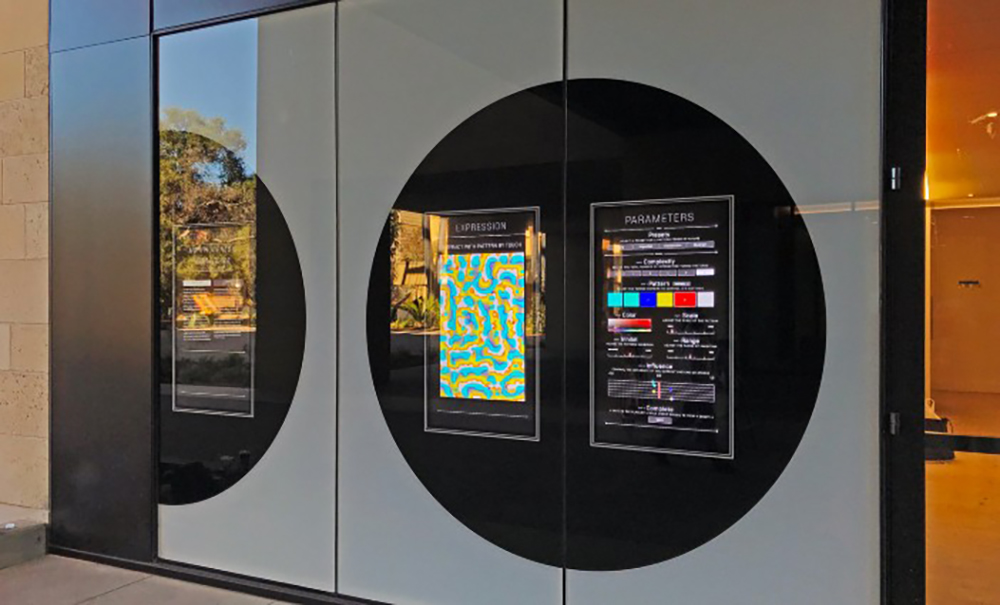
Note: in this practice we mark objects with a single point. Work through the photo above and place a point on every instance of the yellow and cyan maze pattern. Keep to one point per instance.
(482, 326)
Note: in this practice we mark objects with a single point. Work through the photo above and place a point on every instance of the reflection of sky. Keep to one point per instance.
(214, 71)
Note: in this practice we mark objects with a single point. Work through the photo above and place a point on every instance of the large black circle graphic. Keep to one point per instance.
(560, 501)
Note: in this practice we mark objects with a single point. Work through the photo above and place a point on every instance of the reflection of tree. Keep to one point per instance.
(203, 180)
(413, 304)
(224, 254)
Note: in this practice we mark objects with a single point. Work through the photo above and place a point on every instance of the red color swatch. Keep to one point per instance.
(685, 299)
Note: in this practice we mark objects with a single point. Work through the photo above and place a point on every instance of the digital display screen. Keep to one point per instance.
(482, 324)
(483, 379)
(662, 350)
(214, 321)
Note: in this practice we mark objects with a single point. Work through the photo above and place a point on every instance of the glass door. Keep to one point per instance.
(247, 309)
(962, 343)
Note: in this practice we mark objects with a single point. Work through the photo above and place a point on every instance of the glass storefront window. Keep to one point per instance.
(208, 253)
(247, 243)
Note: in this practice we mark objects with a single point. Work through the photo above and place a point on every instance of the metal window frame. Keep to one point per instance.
(904, 93)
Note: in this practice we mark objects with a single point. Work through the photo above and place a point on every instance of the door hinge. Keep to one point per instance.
(893, 423)
(895, 178)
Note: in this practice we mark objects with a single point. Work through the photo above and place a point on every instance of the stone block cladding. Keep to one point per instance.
(24, 251)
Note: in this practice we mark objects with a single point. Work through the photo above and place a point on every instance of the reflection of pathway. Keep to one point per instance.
(963, 530)
(214, 399)
(71, 581)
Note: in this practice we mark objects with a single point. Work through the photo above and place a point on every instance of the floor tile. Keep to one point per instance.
(963, 526)
(164, 591)
(60, 581)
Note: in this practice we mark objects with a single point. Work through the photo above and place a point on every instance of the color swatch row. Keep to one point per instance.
(661, 299)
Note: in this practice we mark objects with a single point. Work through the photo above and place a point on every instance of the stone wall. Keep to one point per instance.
(24, 251)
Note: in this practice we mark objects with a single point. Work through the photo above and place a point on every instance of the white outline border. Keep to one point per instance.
(173, 332)
(731, 454)
(537, 261)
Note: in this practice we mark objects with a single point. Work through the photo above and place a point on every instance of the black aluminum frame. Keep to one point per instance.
(233, 16)
(904, 77)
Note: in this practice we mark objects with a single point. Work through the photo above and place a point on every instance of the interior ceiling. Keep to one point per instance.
(963, 99)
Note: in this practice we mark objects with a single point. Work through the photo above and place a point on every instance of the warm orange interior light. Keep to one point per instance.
(962, 190)
(963, 100)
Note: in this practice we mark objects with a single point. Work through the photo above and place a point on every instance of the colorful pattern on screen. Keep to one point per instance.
(482, 326)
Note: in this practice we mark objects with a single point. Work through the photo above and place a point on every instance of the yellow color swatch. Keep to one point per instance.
(664, 299)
